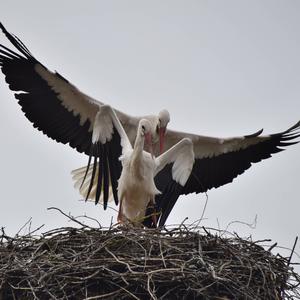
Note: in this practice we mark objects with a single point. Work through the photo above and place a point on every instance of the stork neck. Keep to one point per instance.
(136, 164)
(139, 144)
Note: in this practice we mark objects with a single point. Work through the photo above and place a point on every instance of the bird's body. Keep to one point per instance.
(136, 186)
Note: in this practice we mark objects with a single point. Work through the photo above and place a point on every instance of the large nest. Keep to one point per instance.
(130, 263)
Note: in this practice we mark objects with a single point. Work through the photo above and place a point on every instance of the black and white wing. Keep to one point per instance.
(57, 108)
(49, 101)
(173, 170)
(54, 105)
(219, 160)
(108, 135)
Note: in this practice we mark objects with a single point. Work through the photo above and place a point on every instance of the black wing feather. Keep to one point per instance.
(105, 176)
(109, 169)
(93, 173)
(216, 171)
(164, 202)
(99, 181)
(16, 42)
(115, 166)
(38, 101)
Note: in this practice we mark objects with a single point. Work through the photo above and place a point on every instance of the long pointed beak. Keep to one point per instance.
(148, 139)
(162, 131)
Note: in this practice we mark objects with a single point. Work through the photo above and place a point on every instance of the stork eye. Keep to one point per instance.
(157, 129)
(143, 127)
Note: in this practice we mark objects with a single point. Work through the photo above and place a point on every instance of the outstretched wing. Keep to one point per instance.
(218, 161)
(54, 105)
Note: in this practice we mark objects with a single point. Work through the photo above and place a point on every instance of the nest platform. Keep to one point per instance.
(133, 263)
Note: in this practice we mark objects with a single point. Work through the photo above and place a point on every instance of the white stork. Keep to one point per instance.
(216, 162)
(136, 187)
(61, 111)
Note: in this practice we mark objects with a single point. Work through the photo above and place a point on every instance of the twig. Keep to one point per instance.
(293, 249)
(69, 217)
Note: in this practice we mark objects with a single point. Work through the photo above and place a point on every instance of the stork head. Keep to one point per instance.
(145, 131)
(163, 120)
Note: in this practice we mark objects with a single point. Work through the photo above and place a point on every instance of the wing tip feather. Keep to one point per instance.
(255, 134)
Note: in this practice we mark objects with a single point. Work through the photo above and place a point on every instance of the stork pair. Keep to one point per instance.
(65, 114)
(136, 188)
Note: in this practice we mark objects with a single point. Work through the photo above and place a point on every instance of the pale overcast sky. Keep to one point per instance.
(222, 68)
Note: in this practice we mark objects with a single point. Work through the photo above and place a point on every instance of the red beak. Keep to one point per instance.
(162, 132)
(148, 139)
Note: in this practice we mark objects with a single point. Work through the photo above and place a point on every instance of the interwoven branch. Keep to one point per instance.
(135, 263)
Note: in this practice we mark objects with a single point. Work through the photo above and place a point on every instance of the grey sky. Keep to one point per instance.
(222, 68)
